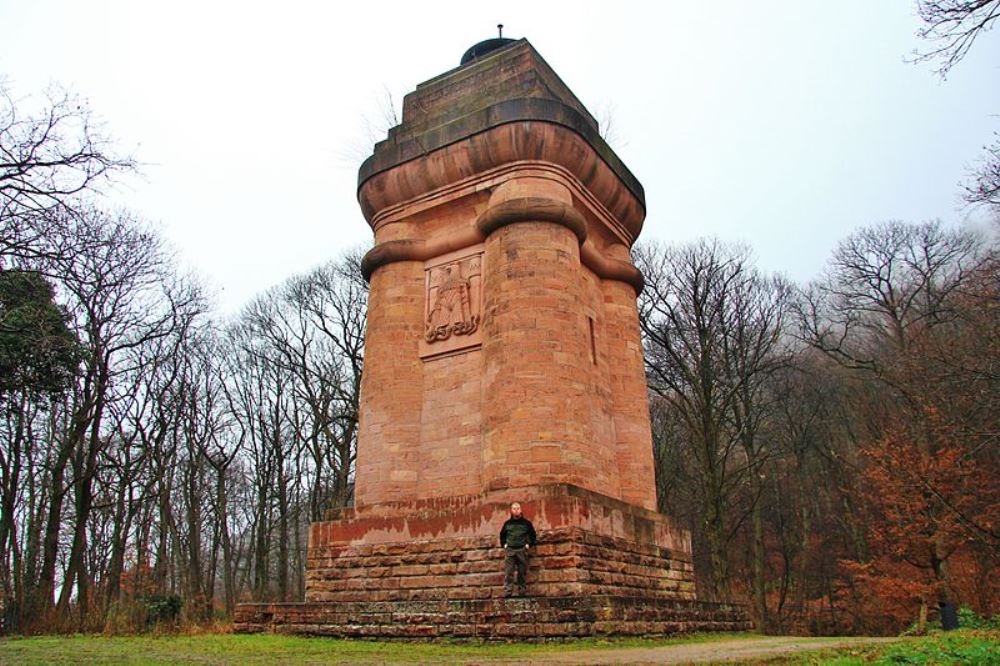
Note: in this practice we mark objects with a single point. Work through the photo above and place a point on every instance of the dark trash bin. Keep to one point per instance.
(949, 616)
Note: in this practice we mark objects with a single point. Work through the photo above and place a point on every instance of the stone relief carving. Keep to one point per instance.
(453, 299)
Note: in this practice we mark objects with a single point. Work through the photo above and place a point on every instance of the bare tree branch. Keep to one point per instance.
(50, 153)
(953, 27)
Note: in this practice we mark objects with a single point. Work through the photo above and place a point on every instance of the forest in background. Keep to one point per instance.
(831, 446)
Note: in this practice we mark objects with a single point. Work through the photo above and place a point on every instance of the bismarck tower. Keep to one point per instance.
(502, 363)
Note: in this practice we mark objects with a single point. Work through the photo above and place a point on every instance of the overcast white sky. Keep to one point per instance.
(785, 124)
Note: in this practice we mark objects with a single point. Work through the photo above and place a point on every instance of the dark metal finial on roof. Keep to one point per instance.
(487, 46)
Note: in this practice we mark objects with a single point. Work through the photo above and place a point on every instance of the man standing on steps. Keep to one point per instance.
(517, 536)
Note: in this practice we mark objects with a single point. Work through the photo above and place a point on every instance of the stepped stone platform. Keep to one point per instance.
(433, 568)
(448, 548)
(532, 618)
(567, 561)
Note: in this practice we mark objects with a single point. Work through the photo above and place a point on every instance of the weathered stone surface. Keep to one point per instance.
(601, 566)
(566, 561)
(550, 506)
(506, 89)
(494, 619)
(537, 375)
(502, 363)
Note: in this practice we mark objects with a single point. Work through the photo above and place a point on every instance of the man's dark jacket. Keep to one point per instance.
(517, 533)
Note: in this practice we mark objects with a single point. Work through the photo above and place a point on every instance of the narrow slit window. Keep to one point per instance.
(593, 341)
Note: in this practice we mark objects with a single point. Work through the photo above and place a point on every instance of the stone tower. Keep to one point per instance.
(502, 362)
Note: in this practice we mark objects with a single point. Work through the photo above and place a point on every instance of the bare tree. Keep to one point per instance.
(122, 296)
(984, 188)
(713, 330)
(953, 26)
(884, 284)
(291, 381)
(259, 395)
(220, 449)
(329, 306)
(49, 155)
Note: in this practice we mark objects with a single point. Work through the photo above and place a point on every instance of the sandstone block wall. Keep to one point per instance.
(545, 421)
(503, 345)
(549, 389)
(566, 562)
(494, 619)
(387, 464)
(550, 507)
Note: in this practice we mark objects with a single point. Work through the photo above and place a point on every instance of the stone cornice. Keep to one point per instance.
(525, 209)
(492, 178)
(517, 130)
(532, 209)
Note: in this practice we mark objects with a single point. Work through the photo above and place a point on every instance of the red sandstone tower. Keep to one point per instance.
(502, 362)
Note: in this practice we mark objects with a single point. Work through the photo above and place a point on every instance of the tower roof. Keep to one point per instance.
(505, 82)
(477, 51)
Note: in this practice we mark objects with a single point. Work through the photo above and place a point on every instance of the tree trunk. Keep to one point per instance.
(118, 541)
(922, 617)
(715, 531)
(43, 599)
(10, 473)
(85, 468)
(161, 566)
(759, 591)
(260, 547)
(282, 536)
(196, 595)
(229, 584)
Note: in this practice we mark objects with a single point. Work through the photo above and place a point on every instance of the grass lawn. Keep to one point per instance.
(963, 647)
(279, 649)
(960, 648)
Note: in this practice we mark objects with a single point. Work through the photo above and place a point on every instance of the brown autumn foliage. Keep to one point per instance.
(928, 504)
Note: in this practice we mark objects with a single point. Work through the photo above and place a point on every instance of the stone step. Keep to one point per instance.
(493, 619)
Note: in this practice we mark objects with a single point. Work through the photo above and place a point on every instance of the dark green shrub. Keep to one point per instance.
(162, 609)
(970, 619)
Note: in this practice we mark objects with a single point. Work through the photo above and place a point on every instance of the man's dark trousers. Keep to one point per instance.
(515, 572)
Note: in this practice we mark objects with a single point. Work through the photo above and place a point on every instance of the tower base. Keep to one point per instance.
(434, 568)
(530, 618)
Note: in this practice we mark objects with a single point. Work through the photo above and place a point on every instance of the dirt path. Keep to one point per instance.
(735, 650)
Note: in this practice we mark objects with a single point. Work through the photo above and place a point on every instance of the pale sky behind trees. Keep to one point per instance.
(784, 124)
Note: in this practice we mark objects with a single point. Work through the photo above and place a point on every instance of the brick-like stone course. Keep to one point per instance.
(532, 618)
(627, 574)
(566, 561)
(550, 388)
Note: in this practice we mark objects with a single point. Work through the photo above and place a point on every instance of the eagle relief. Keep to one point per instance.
(453, 303)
